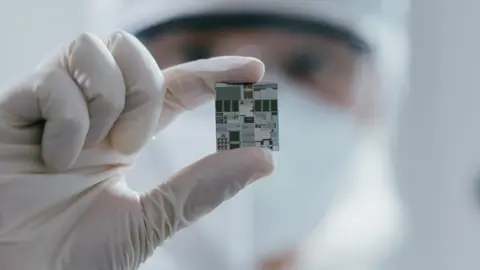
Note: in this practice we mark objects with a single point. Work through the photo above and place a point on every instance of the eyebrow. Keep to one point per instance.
(259, 20)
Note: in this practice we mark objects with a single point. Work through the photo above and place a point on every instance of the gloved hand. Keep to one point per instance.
(69, 131)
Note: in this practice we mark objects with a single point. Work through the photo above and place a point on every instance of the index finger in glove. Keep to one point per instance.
(199, 188)
(145, 91)
(192, 84)
(95, 71)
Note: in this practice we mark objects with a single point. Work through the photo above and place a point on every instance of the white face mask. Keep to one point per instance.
(273, 214)
(316, 143)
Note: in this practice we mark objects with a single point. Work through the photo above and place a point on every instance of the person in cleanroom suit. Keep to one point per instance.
(71, 131)
(323, 55)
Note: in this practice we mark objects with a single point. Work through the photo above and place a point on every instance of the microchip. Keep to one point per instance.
(246, 115)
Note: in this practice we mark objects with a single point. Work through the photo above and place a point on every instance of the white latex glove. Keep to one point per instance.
(69, 131)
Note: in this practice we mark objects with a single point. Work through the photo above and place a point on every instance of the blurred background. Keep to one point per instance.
(36, 29)
(421, 211)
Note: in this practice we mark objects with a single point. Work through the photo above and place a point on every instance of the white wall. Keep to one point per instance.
(439, 145)
(32, 28)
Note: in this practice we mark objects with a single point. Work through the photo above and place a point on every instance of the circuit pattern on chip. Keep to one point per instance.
(246, 115)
